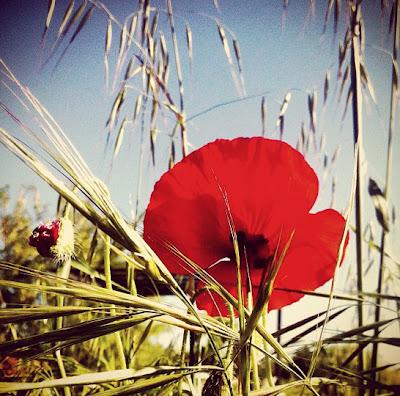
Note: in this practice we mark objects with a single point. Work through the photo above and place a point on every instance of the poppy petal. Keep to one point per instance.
(266, 182)
(311, 259)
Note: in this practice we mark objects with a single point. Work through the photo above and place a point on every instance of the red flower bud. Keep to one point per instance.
(45, 236)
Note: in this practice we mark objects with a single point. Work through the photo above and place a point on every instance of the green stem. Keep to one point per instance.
(268, 366)
(107, 274)
(64, 272)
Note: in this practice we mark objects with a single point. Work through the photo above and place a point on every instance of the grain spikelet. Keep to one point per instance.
(107, 47)
(154, 24)
(348, 99)
(50, 12)
(132, 29)
(327, 14)
(153, 136)
(82, 23)
(366, 81)
(119, 100)
(66, 17)
(120, 137)
(171, 161)
(138, 106)
(130, 71)
(335, 155)
(395, 76)
(163, 46)
(79, 28)
(74, 18)
(312, 100)
(145, 19)
(263, 116)
(121, 48)
(236, 47)
(326, 85)
(380, 204)
(189, 44)
(285, 104)
(228, 54)
(344, 80)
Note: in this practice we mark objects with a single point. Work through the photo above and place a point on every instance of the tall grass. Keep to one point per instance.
(90, 334)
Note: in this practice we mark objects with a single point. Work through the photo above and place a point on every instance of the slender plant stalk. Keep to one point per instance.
(181, 118)
(268, 366)
(107, 273)
(65, 269)
(357, 131)
(386, 191)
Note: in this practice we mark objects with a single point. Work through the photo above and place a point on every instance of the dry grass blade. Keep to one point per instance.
(16, 315)
(101, 377)
(314, 327)
(280, 389)
(300, 323)
(142, 385)
(68, 336)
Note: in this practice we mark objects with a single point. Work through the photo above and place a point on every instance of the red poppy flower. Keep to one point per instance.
(270, 189)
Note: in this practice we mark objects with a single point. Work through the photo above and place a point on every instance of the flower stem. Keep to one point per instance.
(107, 274)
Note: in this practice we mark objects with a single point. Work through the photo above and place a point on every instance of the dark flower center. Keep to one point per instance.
(255, 248)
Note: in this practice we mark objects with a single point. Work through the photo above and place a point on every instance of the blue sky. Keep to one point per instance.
(280, 53)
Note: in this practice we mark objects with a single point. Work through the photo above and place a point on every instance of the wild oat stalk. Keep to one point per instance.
(386, 192)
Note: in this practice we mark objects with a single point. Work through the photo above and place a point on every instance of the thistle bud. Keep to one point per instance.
(54, 239)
